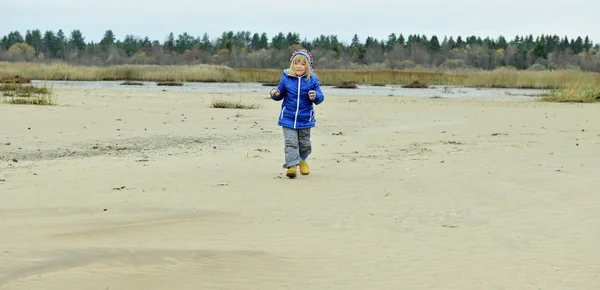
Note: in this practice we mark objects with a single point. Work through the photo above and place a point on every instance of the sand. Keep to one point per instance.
(126, 189)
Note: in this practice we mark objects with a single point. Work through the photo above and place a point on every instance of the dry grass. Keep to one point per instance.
(61, 71)
(509, 78)
(499, 78)
(222, 104)
(575, 93)
(26, 95)
(41, 100)
(16, 79)
(22, 89)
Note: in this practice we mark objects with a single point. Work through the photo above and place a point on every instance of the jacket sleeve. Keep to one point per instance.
(281, 88)
(319, 96)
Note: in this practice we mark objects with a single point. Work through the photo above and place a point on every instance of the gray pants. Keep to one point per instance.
(297, 145)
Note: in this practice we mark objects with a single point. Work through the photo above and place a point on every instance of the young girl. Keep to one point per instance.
(299, 89)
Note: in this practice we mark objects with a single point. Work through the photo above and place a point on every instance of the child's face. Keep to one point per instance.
(299, 67)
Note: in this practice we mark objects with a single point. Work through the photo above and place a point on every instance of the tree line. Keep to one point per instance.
(244, 49)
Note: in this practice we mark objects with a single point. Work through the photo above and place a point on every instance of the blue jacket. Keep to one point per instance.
(297, 110)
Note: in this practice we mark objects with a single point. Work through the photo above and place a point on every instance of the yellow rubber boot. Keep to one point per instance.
(304, 169)
(291, 172)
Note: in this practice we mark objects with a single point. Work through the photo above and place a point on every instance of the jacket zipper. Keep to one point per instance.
(297, 103)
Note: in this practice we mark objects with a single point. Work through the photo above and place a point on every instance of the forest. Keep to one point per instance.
(244, 49)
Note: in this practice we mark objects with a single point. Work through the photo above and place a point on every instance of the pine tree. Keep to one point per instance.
(587, 44)
(355, 42)
(434, 44)
(401, 40)
(108, 40)
(169, 45)
(77, 40)
(264, 41)
(255, 44)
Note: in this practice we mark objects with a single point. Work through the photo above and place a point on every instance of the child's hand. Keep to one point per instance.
(311, 95)
(275, 92)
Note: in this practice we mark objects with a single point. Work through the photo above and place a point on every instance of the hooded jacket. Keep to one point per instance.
(297, 111)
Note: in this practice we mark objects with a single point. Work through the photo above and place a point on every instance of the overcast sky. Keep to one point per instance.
(344, 18)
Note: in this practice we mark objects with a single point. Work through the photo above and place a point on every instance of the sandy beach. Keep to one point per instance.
(129, 189)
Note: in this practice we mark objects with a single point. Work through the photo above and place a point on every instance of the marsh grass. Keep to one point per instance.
(575, 93)
(220, 104)
(26, 95)
(65, 72)
(510, 78)
(16, 79)
(226, 104)
(499, 78)
(21, 89)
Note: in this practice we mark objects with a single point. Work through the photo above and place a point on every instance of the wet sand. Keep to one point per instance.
(130, 189)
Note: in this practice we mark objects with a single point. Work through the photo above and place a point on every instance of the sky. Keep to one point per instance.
(344, 18)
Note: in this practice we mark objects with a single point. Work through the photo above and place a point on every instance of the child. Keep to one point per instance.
(299, 89)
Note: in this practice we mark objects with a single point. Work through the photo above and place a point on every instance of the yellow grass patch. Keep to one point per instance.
(499, 78)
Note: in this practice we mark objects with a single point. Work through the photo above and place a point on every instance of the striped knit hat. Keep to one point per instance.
(305, 53)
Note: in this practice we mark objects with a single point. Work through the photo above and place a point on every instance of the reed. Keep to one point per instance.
(575, 93)
(16, 79)
(65, 72)
(499, 78)
(22, 89)
(507, 78)
(15, 93)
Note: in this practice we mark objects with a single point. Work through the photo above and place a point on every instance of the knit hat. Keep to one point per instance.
(305, 53)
